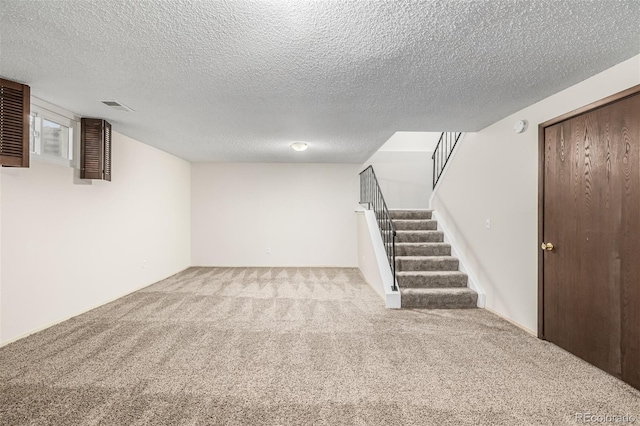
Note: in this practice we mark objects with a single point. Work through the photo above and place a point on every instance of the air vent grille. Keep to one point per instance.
(117, 105)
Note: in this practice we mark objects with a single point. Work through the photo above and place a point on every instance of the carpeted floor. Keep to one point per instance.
(293, 346)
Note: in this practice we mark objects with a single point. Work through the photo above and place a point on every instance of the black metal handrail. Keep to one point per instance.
(441, 154)
(371, 196)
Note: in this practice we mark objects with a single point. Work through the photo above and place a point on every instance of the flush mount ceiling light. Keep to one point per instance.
(299, 146)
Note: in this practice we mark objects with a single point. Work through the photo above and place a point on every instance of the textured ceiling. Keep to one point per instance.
(222, 80)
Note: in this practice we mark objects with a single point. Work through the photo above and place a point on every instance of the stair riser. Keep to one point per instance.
(426, 264)
(410, 214)
(415, 225)
(432, 281)
(422, 237)
(449, 301)
(422, 250)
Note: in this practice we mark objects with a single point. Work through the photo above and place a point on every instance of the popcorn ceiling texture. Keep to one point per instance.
(239, 80)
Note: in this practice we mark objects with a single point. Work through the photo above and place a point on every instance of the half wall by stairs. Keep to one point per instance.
(426, 273)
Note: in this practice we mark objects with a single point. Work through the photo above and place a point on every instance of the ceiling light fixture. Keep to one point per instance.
(299, 146)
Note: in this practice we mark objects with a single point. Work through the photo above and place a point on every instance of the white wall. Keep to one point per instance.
(494, 174)
(412, 141)
(69, 247)
(404, 169)
(373, 261)
(367, 260)
(303, 212)
(405, 177)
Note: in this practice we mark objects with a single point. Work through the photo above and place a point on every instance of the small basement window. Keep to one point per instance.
(53, 137)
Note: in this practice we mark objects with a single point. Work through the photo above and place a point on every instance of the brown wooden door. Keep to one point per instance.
(591, 214)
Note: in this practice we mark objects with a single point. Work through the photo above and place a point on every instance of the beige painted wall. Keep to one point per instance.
(303, 212)
(494, 175)
(69, 247)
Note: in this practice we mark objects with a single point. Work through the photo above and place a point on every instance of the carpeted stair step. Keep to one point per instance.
(410, 214)
(419, 237)
(427, 274)
(415, 224)
(423, 249)
(439, 298)
(431, 279)
(426, 263)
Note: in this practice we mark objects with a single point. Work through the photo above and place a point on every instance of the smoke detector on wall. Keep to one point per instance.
(117, 105)
(520, 126)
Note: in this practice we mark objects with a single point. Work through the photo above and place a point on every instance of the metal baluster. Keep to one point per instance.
(440, 161)
(442, 153)
(434, 174)
(446, 145)
(371, 194)
(393, 255)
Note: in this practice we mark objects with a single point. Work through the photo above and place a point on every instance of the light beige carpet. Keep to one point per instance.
(293, 346)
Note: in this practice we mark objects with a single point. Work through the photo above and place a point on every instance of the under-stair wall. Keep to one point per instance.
(372, 259)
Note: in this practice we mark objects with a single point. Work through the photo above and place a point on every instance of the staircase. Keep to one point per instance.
(427, 274)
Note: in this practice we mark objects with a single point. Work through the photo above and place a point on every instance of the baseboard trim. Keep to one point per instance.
(370, 284)
(520, 326)
(44, 327)
(278, 266)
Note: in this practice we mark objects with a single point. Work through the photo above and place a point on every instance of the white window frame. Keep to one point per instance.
(44, 110)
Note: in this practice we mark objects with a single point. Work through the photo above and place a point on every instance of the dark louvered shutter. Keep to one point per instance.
(107, 151)
(15, 104)
(95, 149)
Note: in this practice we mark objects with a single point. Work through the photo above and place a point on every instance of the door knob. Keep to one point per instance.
(547, 246)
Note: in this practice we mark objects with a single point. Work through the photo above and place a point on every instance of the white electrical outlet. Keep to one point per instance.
(144, 263)
(487, 223)
(268, 250)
